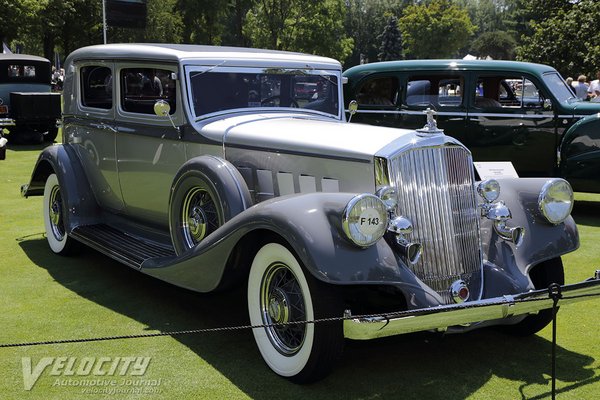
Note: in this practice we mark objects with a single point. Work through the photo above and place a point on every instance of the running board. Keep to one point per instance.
(127, 249)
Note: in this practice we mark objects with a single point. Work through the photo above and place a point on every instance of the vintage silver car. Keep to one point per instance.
(209, 167)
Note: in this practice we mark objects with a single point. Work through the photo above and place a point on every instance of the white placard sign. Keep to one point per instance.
(495, 169)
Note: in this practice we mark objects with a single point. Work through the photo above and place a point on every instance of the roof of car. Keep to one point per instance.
(443, 65)
(182, 52)
(21, 57)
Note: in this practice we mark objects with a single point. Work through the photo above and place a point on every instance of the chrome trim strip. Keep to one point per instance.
(506, 115)
(442, 317)
(467, 114)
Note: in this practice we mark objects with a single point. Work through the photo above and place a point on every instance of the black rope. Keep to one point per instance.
(554, 291)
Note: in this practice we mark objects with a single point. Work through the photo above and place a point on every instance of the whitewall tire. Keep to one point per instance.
(279, 291)
(54, 222)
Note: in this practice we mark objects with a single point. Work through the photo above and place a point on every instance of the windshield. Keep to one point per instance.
(557, 85)
(218, 89)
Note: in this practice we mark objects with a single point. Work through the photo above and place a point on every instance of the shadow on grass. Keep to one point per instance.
(412, 366)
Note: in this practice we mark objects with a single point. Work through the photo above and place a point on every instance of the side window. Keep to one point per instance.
(437, 91)
(96, 87)
(142, 87)
(379, 92)
(511, 92)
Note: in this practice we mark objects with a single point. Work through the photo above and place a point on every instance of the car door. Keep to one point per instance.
(149, 149)
(510, 120)
(91, 130)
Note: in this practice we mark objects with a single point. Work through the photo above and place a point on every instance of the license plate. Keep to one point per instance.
(3, 109)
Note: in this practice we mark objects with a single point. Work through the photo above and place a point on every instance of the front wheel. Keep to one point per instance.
(280, 292)
(54, 218)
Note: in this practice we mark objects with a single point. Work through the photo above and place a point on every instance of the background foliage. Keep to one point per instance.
(562, 33)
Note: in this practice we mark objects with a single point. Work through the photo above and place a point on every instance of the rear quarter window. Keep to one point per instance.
(96, 87)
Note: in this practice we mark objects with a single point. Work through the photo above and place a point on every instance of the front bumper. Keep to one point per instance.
(442, 317)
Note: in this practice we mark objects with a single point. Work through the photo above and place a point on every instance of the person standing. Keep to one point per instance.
(594, 86)
(581, 88)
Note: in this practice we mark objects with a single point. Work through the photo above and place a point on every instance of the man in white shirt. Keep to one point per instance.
(594, 86)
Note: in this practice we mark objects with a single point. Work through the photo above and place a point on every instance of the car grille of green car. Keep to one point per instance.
(436, 192)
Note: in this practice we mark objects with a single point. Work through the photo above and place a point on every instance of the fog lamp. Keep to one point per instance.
(387, 194)
(489, 190)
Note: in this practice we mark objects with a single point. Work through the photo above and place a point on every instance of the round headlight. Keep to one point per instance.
(489, 190)
(365, 220)
(556, 200)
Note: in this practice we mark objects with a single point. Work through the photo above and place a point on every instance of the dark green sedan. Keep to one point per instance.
(501, 110)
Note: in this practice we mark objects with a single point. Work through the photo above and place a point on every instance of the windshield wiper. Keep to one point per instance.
(207, 70)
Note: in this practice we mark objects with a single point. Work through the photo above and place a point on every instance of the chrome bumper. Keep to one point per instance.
(442, 317)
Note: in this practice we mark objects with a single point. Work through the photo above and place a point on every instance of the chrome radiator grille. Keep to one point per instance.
(436, 192)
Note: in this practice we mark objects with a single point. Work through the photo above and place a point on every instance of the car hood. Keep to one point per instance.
(585, 107)
(310, 135)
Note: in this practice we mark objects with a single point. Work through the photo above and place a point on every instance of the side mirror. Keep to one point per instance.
(352, 109)
(547, 104)
(163, 109)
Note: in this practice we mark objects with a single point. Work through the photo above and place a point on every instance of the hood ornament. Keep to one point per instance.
(430, 127)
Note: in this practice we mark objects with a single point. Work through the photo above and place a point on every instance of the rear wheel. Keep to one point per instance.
(542, 276)
(54, 221)
(196, 211)
(280, 292)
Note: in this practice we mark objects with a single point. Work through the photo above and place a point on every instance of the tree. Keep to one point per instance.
(437, 29)
(391, 42)
(568, 40)
(18, 22)
(311, 27)
(499, 45)
(363, 18)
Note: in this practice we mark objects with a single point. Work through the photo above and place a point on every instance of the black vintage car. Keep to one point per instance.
(28, 108)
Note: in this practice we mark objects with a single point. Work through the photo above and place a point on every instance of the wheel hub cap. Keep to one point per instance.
(197, 223)
(278, 307)
(55, 213)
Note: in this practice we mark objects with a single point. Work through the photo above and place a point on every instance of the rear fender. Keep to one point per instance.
(80, 203)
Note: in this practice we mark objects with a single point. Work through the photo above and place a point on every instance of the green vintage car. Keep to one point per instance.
(501, 110)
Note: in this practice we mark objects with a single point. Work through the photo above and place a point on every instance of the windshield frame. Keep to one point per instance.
(562, 96)
(333, 76)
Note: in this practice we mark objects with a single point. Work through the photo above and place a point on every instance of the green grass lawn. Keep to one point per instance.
(45, 297)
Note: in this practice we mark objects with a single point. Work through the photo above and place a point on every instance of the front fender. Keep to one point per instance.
(80, 204)
(580, 154)
(311, 225)
(542, 240)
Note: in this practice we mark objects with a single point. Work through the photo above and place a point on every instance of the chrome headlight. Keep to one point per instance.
(489, 190)
(365, 219)
(556, 200)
